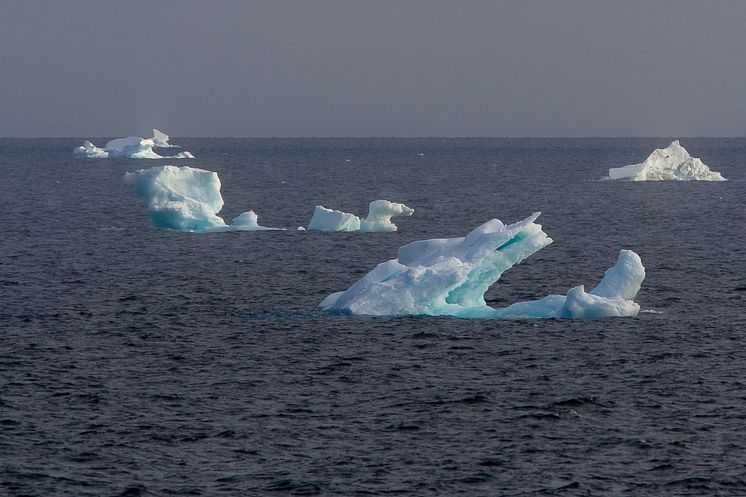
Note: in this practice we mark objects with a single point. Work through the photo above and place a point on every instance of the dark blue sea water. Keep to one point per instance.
(142, 362)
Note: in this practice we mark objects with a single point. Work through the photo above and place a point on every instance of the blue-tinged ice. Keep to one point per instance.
(186, 199)
(449, 276)
(379, 217)
(133, 147)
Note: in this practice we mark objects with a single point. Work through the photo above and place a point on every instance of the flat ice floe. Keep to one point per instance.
(133, 147)
(672, 163)
(379, 217)
(186, 199)
(449, 276)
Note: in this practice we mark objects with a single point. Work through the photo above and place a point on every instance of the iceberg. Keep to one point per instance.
(379, 217)
(90, 150)
(449, 276)
(161, 139)
(672, 163)
(248, 221)
(380, 213)
(133, 147)
(186, 199)
(324, 219)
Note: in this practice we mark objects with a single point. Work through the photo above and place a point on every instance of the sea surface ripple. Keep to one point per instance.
(139, 362)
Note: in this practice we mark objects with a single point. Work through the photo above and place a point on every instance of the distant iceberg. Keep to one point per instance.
(133, 147)
(379, 217)
(186, 199)
(161, 139)
(90, 150)
(449, 276)
(672, 163)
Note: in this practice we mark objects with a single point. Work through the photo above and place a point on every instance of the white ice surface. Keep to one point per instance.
(248, 221)
(133, 147)
(380, 213)
(161, 139)
(186, 199)
(448, 277)
(330, 220)
(672, 163)
(379, 217)
(182, 155)
(90, 150)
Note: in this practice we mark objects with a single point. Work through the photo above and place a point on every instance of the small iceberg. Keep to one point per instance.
(186, 199)
(379, 217)
(672, 163)
(449, 276)
(133, 147)
(161, 139)
(248, 221)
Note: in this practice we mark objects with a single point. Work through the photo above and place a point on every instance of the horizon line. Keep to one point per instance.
(382, 137)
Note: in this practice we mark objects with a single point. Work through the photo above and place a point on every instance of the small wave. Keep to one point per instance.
(285, 314)
(576, 401)
(293, 487)
(541, 415)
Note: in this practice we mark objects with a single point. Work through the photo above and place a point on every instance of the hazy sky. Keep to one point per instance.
(373, 68)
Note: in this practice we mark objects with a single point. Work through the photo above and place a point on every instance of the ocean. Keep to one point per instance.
(135, 361)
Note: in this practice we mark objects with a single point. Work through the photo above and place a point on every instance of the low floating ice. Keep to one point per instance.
(133, 147)
(379, 217)
(449, 276)
(670, 163)
(248, 221)
(186, 199)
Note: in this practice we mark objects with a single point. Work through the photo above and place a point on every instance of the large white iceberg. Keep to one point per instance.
(449, 276)
(133, 147)
(186, 199)
(379, 217)
(670, 163)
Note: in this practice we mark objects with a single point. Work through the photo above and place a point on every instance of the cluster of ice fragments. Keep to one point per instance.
(670, 163)
(379, 217)
(133, 147)
(186, 199)
(189, 199)
(439, 277)
(448, 277)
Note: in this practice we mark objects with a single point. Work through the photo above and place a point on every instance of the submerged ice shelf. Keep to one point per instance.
(133, 147)
(379, 217)
(449, 276)
(186, 199)
(672, 163)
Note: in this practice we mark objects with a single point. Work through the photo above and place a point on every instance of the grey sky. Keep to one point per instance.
(373, 68)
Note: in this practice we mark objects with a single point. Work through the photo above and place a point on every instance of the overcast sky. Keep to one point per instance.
(373, 68)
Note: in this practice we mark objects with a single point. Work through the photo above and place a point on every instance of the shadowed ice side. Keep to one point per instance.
(133, 147)
(379, 217)
(449, 276)
(672, 163)
(186, 199)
